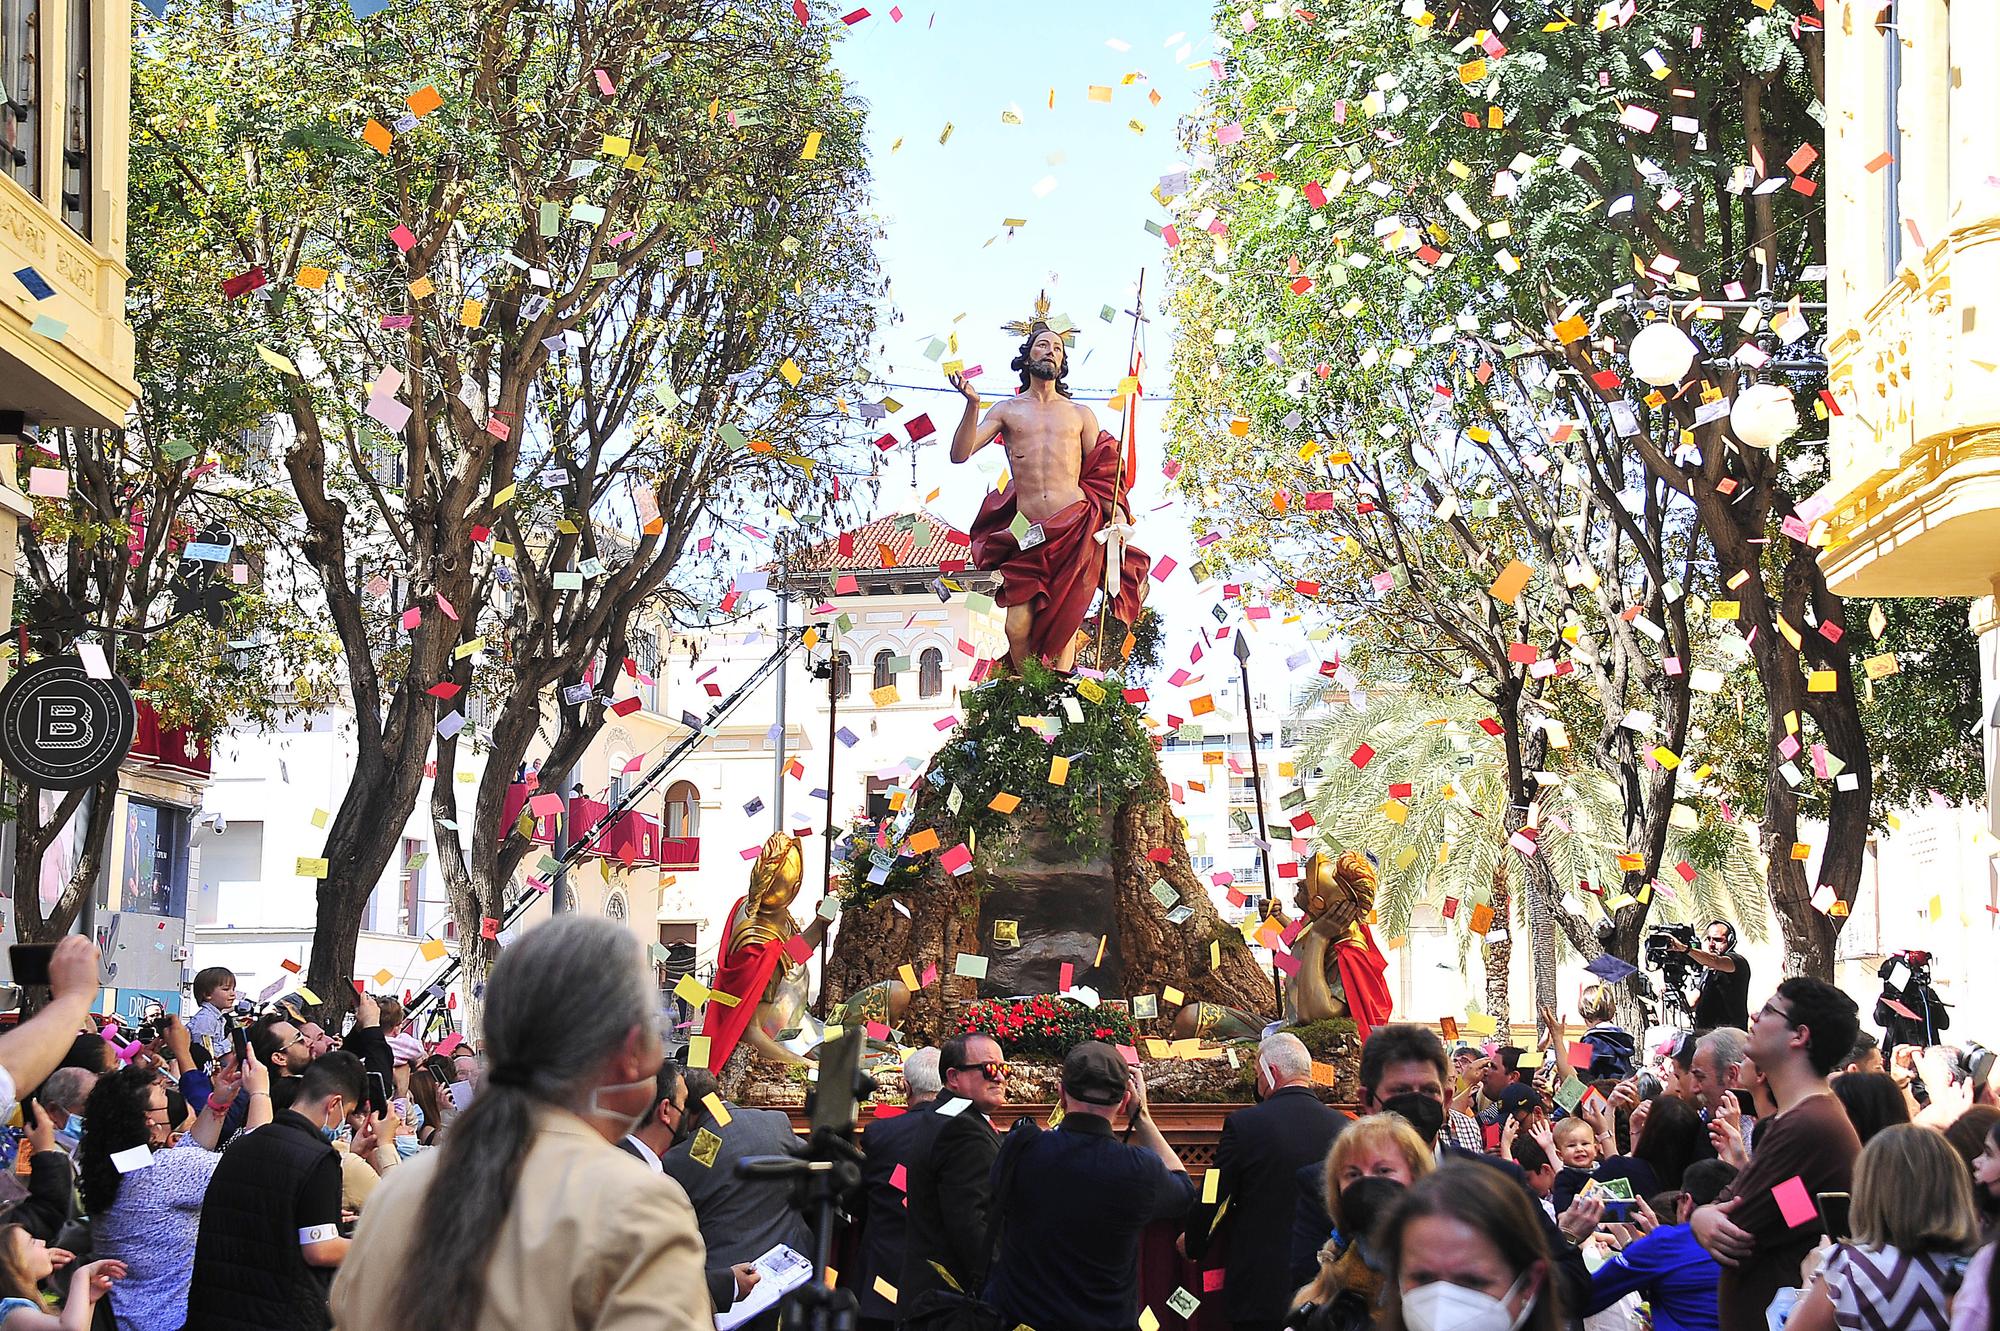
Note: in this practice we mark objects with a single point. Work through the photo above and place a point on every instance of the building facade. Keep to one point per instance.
(1912, 506)
(885, 625)
(65, 347)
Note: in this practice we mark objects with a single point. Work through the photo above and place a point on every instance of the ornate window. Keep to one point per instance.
(614, 906)
(843, 674)
(884, 676)
(21, 93)
(77, 155)
(930, 673)
(683, 810)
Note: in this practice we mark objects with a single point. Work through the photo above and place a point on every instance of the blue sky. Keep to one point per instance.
(964, 64)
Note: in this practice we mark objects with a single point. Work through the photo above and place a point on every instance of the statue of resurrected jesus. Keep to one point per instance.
(1050, 530)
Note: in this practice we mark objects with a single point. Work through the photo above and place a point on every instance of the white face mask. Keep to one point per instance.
(628, 1123)
(1443, 1306)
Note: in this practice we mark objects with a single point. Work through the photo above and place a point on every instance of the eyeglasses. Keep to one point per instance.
(992, 1071)
(1771, 1009)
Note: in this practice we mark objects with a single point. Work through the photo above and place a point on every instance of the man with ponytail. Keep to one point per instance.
(529, 1217)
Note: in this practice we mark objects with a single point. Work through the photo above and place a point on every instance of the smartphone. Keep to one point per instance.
(31, 962)
(1618, 1211)
(239, 1040)
(1833, 1214)
(378, 1096)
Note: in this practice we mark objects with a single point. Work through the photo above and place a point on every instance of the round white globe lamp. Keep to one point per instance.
(1764, 416)
(1662, 354)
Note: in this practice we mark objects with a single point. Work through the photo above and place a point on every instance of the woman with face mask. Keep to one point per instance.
(527, 1217)
(1372, 1161)
(1464, 1252)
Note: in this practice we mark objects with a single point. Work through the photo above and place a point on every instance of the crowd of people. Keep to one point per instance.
(229, 1172)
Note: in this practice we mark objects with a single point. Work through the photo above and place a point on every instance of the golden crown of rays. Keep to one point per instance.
(1028, 327)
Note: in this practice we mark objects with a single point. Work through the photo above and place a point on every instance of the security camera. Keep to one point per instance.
(215, 820)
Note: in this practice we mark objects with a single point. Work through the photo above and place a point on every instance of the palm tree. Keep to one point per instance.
(1445, 842)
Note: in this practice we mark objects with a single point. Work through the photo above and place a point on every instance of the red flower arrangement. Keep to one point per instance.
(1045, 1026)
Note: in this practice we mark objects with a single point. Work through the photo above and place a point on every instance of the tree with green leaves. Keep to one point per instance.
(1444, 842)
(209, 638)
(551, 302)
(1490, 211)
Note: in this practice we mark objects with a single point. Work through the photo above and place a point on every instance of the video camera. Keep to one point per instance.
(823, 1179)
(1675, 967)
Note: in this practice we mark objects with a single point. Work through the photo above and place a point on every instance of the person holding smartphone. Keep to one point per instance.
(35, 1048)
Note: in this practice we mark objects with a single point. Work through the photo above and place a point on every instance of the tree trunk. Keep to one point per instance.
(1500, 955)
(1157, 952)
(32, 839)
(361, 839)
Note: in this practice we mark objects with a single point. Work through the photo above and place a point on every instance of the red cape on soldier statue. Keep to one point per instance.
(1048, 530)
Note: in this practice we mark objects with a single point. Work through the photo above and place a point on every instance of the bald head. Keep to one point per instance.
(65, 1091)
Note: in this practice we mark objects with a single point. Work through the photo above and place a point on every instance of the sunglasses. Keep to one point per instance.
(991, 1071)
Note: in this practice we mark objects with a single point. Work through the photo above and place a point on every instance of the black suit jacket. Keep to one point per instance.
(951, 1190)
(1311, 1225)
(1262, 1150)
(721, 1280)
(879, 1211)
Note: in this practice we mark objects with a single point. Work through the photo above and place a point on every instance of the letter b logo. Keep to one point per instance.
(63, 725)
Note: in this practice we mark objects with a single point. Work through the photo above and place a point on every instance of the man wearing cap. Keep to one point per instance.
(1258, 1159)
(1071, 1204)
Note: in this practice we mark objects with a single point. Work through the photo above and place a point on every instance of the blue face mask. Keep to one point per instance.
(331, 1132)
(75, 1125)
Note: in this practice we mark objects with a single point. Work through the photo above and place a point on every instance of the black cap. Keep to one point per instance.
(1518, 1098)
(1094, 1073)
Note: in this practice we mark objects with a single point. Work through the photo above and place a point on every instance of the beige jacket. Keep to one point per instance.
(593, 1240)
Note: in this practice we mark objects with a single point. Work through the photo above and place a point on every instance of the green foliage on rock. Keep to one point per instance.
(993, 753)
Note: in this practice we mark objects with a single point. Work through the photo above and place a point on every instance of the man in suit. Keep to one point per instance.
(740, 1219)
(950, 1177)
(879, 1210)
(649, 1142)
(1262, 1150)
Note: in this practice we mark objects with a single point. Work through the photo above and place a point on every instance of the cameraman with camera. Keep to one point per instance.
(1725, 986)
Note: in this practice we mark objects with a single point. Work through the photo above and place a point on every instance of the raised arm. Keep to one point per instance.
(30, 1052)
(972, 434)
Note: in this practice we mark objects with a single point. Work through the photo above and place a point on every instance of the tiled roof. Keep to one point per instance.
(899, 533)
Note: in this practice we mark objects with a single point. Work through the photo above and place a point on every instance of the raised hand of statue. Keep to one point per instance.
(963, 385)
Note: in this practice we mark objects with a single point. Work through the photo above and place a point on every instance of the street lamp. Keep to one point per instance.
(1242, 650)
(1662, 354)
(1764, 416)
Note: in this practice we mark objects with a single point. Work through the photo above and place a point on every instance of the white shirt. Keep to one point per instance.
(645, 1153)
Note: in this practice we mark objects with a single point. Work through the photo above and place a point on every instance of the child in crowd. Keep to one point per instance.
(1539, 1170)
(1613, 1047)
(215, 990)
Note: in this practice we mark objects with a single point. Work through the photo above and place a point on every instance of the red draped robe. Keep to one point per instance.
(1057, 578)
(744, 971)
(1364, 980)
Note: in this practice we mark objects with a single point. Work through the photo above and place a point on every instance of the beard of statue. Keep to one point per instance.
(1048, 368)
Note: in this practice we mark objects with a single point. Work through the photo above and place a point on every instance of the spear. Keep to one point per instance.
(1114, 551)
